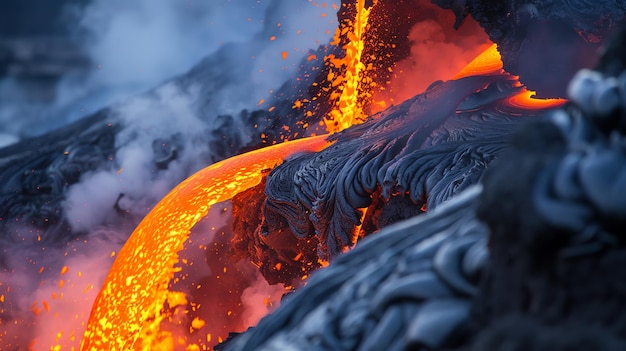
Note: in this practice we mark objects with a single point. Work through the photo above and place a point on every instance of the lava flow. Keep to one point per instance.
(164, 230)
(347, 75)
(129, 309)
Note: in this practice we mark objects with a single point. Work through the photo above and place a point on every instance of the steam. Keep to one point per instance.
(259, 299)
(438, 52)
(135, 184)
(176, 115)
(69, 297)
(135, 45)
(49, 291)
(143, 42)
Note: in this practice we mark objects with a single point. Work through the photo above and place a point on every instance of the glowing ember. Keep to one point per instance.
(130, 307)
(347, 76)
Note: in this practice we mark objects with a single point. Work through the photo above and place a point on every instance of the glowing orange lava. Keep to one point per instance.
(347, 73)
(525, 101)
(129, 308)
(490, 62)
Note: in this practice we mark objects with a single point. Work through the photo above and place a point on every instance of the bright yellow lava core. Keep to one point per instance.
(129, 308)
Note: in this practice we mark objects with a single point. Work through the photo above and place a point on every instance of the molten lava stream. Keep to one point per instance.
(488, 62)
(348, 73)
(135, 298)
(224, 292)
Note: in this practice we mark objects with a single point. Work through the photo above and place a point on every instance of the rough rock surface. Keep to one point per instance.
(532, 262)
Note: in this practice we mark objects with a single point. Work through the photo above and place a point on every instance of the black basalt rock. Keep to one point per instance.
(425, 150)
(556, 215)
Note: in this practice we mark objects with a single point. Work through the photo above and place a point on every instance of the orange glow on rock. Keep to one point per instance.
(128, 311)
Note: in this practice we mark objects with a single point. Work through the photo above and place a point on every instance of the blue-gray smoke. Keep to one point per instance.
(129, 47)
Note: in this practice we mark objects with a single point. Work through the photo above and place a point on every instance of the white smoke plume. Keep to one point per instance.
(173, 110)
(166, 113)
(259, 299)
(136, 45)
